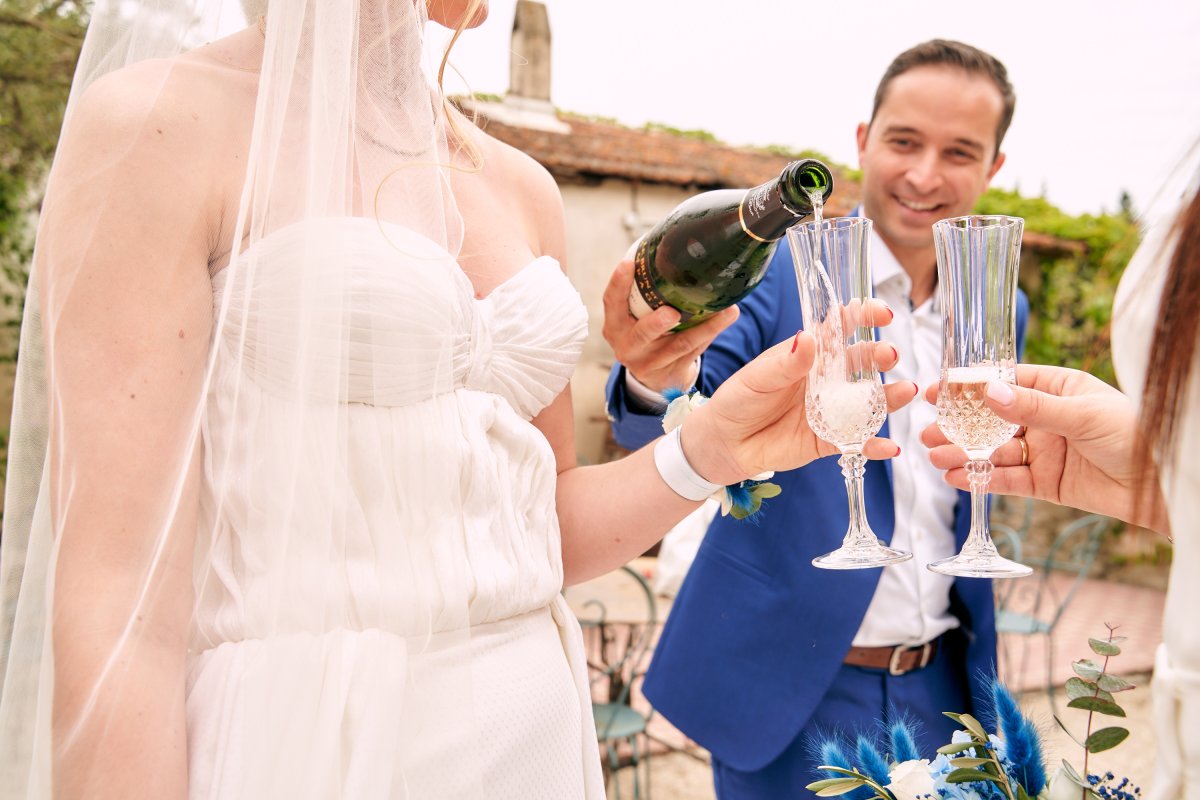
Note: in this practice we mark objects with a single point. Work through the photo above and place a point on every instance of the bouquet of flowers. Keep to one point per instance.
(977, 765)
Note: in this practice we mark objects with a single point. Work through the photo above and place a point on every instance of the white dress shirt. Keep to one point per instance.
(911, 604)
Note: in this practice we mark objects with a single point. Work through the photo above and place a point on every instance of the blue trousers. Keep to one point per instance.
(859, 700)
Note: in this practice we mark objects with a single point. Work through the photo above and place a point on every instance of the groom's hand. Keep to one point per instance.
(651, 353)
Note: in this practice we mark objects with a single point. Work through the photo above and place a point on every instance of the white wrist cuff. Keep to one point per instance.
(677, 473)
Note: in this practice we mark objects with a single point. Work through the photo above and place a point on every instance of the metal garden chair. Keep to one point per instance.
(1033, 606)
(618, 646)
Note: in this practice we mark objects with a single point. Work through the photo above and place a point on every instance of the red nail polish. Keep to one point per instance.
(897, 451)
(796, 341)
(891, 315)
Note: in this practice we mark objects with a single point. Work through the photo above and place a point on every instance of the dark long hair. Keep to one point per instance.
(1173, 346)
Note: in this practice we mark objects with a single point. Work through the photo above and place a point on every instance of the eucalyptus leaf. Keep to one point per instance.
(952, 715)
(1105, 739)
(971, 776)
(1099, 706)
(1078, 687)
(966, 762)
(957, 747)
(1103, 648)
(1113, 683)
(1087, 669)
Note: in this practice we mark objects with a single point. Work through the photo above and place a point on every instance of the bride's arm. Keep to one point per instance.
(126, 299)
(611, 513)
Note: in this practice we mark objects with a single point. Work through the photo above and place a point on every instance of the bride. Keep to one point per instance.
(292, 490)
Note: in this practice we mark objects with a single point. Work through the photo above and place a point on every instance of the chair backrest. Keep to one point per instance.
(1073, 551)
(1015, 512)
(619, 629)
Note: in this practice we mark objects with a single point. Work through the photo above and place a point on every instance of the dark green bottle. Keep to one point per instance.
(713, 249)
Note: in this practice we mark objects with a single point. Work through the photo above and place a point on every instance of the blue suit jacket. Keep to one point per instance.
(757, 634)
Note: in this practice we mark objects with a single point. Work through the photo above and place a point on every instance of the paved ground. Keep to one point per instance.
(684, 773)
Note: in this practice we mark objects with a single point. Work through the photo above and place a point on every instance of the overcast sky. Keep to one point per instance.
(1108, 91)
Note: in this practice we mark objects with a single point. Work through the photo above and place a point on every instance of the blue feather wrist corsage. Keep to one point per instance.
(741, 500)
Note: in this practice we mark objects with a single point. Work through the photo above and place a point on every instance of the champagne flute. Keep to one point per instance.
(844, 398)
(977, 262)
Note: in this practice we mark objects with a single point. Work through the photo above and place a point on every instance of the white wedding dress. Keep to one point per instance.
(400, 633)
(1176, 682)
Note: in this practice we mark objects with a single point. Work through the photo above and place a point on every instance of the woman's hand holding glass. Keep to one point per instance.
(1081, 441)
(757, 421)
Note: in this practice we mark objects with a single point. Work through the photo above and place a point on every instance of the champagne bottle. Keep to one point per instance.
(713, 249)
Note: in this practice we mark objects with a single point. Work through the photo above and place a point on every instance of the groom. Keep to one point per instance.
(762, 651)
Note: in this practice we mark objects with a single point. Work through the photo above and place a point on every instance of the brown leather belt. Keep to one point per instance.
(896, 660)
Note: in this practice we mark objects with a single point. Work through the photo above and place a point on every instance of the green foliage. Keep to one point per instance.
(1092, 692)
(700, 135)
(1071, 295)
(39, 45)
(598, 119)
(850, 173)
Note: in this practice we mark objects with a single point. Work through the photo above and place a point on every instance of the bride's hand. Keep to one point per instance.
(756, 420)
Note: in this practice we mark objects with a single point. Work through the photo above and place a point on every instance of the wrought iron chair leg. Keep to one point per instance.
(647, 768)
(1050, 667)
(614, 765)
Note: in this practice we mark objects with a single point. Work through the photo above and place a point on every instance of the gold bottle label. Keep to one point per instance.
(644, 297)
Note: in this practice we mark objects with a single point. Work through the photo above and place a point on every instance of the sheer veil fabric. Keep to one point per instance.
(289, 439)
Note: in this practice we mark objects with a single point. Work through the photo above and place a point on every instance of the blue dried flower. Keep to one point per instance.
(904, 746)
(871, 762)
(1023, 747)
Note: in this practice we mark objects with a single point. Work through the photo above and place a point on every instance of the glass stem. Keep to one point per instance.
(979, 541)
(853, 468)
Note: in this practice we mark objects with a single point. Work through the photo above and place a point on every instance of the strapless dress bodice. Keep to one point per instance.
(370, 460)
(383, 316)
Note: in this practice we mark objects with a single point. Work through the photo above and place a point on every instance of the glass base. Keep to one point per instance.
(861, 557)
(980, 566)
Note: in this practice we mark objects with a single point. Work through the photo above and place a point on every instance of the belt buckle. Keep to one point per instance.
(900, 650)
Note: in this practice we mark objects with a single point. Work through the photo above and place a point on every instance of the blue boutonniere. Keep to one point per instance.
(741, 500)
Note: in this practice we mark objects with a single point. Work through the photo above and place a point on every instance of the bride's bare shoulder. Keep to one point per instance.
(154, 140)
(181, 104)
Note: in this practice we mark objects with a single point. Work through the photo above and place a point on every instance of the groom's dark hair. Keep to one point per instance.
(950, 53)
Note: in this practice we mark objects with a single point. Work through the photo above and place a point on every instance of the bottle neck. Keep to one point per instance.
(764, 214)
(768, 210)
(800, 181)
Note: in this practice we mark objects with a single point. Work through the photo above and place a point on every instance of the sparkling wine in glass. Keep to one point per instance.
(977, 262)
(844, 400)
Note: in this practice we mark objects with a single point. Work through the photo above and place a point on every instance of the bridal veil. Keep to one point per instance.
(124, 497)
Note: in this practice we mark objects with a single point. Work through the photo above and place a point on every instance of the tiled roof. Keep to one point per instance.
(593, 149)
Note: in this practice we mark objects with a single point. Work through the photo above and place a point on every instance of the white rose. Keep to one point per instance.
(910, 780)
(1061, 787)
(679, 408)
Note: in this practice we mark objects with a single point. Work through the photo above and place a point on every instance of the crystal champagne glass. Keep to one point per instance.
(844, 399)
(977, 262)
